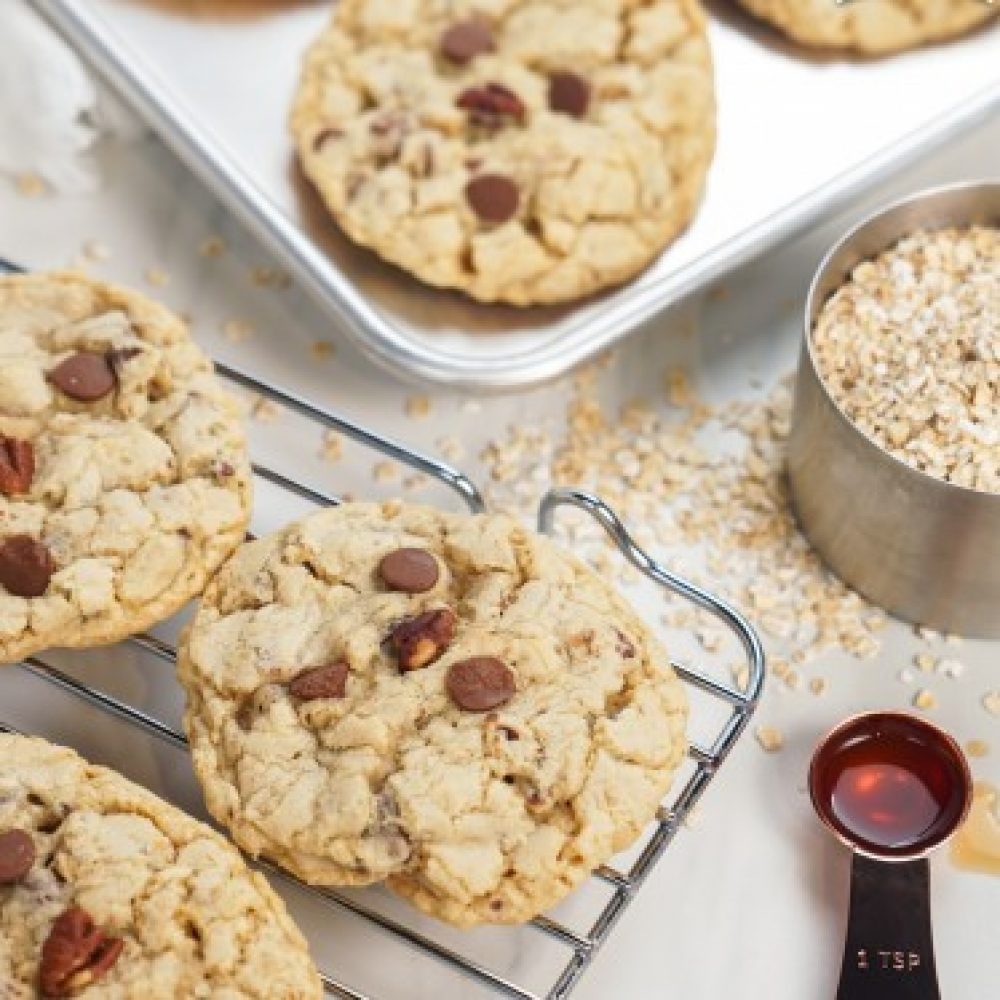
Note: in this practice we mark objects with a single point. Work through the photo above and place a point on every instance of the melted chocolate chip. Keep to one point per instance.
(480, 683)
(17, 856)
(410, 571)
(26, 566)
(463, 41)
(493, 197)
(569, 94)
(321, 682)
(84, 376)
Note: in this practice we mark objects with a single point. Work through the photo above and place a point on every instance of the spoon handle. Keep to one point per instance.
(889, 953)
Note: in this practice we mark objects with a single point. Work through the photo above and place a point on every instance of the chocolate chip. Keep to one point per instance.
(85, 377)
(462, 42)
(321, 682)
(75, 954)
(420, 640)
(489, 104)
(17, 855)
(26, 566)
(493, 197)
(410, 571)
(480, 683)
(569, 94)
(17, 466)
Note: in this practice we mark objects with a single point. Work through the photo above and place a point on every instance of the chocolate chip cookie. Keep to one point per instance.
(107, 891)
(874, 27)
(124, 478)
(448, 702)
(522, 151)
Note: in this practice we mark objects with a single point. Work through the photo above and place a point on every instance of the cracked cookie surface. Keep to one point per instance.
(124, 478)
(483, 736)
(873, 27)
(521, 151)
(192, 919)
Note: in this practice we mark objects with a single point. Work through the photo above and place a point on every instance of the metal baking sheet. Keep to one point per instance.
(800, 135)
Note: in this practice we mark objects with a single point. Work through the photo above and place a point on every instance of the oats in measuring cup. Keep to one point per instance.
(909, 348)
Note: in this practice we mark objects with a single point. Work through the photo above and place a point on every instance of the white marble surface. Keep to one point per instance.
(749, 902)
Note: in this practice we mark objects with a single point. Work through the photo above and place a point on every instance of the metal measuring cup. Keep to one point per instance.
(921, 548)
(893, 788)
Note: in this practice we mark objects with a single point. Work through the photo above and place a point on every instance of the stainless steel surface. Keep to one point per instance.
(187, 77)
(579, 948)
(924, 549)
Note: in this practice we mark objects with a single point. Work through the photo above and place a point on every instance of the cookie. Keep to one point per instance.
(873, 27)
(124, 478)
(521, 151)
(106, 891)
(481, 725)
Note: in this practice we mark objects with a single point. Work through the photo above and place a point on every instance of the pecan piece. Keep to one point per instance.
(419, 641)
(17, 466)
(490, 103)
(75, 954)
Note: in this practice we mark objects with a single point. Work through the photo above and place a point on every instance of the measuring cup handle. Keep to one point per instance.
(889, 953)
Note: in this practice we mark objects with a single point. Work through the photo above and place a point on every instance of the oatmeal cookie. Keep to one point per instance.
(108, 892)
(124, 478)
(521, 151)
(448, 702)
(872, 27)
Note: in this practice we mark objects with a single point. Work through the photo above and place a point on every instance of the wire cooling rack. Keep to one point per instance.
(578, 947)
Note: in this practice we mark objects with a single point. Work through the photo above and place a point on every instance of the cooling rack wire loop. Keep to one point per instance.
(580, 948)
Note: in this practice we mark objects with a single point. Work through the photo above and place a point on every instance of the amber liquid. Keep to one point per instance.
(890, 794)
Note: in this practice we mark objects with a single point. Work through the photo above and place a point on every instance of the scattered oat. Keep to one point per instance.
(31, 185)
(741, 676)
(906, 676)
(157, 277)
(265, 410)
(818, 685)
(953, 640)
(951, 668)
(991, 702)
(771, 739)
(908, 347)
(416, 481)
(237, 331)
(693, 817)
(270, 277)
(925, 700)
(96, 251)
(418, 407)
(332, 448)
(212, 247)
(927, 634)
(322, 350)
(977, 748)
(385, 472)
(450, 448)
(925, 662)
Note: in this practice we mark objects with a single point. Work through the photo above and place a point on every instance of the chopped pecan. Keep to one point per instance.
(490, 103)
(17, 466)
(75, 954)
(419, 641)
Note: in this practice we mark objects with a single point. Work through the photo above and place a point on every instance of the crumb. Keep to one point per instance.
(332, 447)
(418, 407)
(212, 247)
(96, 251)
(991, 702)
(771, 739)
(237, 331)
(265, 410)
(925, 700)
(322, 350)
(977, 748)
(157, 277)
(818, 685)
(31, 185)
(385, 472)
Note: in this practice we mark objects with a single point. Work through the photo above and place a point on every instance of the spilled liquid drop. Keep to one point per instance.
(976, 847)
